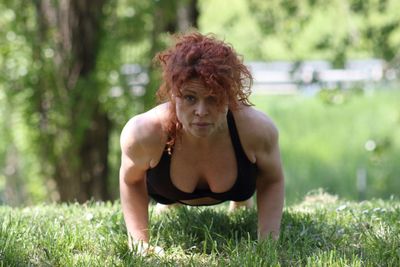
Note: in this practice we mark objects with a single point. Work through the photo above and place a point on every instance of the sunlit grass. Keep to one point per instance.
(320, 231)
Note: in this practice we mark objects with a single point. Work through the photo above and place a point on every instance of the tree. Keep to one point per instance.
(69, 129)
(335, 31)
(69, 51)
(77, 141)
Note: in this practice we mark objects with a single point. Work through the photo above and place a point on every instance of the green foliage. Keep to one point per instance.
(321, 231)
(306, 29)
(234, 24)
(18, 75)
(325, 142)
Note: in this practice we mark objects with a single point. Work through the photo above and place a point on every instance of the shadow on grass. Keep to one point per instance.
(210, 231)
(304, 236)
(203, 229)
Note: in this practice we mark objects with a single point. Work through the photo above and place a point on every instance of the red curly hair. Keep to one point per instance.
(211, 61)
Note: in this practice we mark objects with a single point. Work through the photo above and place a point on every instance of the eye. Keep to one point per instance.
(211, 100)
(189, 98)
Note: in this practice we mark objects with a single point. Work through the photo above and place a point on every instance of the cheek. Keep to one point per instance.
(180, 112)
(179, 116)
(221, 117)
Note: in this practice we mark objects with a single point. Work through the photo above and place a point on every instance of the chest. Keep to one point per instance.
(214, 169)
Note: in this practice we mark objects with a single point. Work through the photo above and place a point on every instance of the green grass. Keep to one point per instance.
(320, 231)
(323, 141)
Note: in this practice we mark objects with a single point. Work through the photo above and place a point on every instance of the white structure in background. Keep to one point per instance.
(363, 72)
(272, 77)
(136, 78)
(284, 77)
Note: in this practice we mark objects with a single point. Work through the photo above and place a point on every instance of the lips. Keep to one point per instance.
(201, 124)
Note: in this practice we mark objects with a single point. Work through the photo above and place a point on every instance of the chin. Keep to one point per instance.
(201, 134)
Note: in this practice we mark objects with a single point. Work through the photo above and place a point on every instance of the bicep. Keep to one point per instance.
(269, 164)
(130, 171)
(134, 159)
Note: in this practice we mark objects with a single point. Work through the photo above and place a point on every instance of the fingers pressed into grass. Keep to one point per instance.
(144, 249)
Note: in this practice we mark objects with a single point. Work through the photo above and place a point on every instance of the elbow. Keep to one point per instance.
(266, 184)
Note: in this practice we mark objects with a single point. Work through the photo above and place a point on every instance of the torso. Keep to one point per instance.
(203, 166)
(213, 168)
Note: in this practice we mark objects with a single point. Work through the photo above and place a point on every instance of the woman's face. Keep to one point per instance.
(198, 111)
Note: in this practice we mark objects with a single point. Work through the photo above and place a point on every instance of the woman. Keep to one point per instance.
(204, 144)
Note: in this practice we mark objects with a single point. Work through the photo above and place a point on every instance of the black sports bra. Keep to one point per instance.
(162, 190)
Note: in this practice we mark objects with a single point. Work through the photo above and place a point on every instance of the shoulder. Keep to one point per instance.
(143, 137)
(256, 129)
(259, 137)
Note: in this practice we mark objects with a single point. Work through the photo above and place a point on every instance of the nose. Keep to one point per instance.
(201, 109)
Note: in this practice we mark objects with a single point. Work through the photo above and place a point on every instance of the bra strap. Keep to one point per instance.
(237, 145)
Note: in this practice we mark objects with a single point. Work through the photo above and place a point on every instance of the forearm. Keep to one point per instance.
(134, 201)
(270, 198)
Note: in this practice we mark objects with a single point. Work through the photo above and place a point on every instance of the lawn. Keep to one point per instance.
(322, 230)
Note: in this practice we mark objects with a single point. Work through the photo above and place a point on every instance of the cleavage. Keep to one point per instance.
(216, 172)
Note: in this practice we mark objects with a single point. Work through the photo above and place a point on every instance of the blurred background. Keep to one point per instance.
(72, 72)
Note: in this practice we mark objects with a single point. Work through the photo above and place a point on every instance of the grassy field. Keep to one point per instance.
(320, 231)
(326, 139)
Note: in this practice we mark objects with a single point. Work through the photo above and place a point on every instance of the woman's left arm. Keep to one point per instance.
(270, 187)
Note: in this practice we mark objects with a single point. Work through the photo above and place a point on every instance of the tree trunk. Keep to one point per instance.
(93, 156)
(187, 15)
(79, 145)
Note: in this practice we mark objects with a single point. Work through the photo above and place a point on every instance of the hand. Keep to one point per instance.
(143, 248)
(268, 235)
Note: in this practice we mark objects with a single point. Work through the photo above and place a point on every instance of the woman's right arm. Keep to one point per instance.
(134, 201)
(134, 198)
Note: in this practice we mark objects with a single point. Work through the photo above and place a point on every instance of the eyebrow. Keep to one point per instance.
(186, 90)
